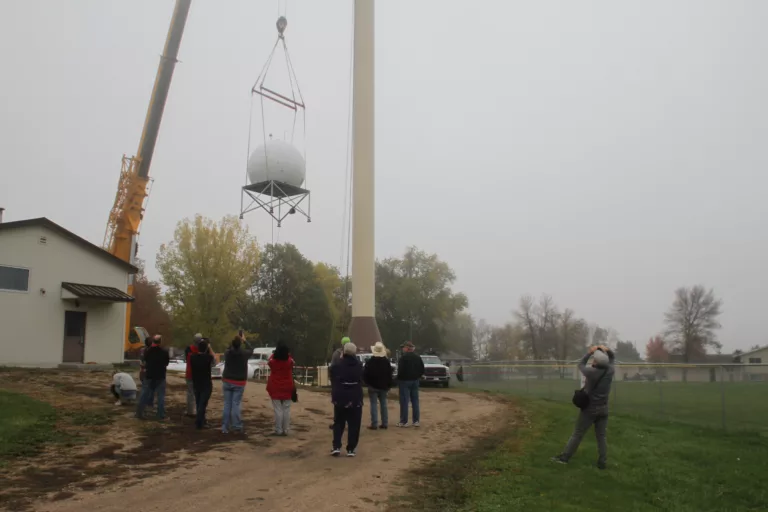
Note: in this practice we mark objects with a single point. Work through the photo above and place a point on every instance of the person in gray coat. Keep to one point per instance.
(599, 377)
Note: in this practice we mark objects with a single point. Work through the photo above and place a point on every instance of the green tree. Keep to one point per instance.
(459, 334)
(337, 291)
(206, 268)
(626, 352)
(414, 300)
(287, 302)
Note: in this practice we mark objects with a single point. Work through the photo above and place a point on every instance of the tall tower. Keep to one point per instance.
(363, 329)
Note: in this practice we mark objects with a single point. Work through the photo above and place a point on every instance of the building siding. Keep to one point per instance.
(32, 323)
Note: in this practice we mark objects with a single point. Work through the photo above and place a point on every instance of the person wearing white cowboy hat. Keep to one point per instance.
(377, 375)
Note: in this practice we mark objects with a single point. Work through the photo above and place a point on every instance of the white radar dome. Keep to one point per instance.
(277, 161)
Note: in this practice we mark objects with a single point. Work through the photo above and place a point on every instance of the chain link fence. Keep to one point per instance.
(732, 396)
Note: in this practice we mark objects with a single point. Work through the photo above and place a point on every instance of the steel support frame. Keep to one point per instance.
(275, 201)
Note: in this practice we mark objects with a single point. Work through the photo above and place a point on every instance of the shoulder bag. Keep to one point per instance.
(581, 397)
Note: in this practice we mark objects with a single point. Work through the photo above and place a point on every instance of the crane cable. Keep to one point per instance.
(346, 221)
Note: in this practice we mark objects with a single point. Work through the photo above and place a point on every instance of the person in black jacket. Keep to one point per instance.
(410, 368)
(233, 381)
(200, 363)
(156, 361)
(347, 398)
(377, 375)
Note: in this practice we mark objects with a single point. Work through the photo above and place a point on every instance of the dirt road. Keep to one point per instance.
(255, 472)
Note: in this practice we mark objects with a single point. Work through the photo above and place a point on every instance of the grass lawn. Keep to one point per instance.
(25, 424)
(653, 465)
(695, 403)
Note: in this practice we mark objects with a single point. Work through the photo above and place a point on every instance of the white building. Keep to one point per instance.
(62, 298)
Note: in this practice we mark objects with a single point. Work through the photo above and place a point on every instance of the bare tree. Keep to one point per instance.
(527, 313)
(692, 321)
(480, 338)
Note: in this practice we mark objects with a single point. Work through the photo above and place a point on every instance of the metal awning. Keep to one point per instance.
(89, 291)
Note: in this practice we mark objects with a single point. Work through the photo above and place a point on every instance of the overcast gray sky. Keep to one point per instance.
(603, 152)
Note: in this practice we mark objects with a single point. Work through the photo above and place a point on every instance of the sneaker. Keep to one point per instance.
(284, 434)
(118, 403)
(383, 427)
(402, 425)
(416, 424)
(373, 427)
(600, 465)
(335, 452)
(558, 460)
(350, 453)
(274, 434)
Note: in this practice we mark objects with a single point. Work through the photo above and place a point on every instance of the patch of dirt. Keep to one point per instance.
(101, 442)
(102, 472)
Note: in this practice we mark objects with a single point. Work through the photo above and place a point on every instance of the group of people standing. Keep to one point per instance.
(349, 375)
(200, 358)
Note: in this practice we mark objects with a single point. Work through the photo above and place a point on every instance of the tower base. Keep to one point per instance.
(364, 332)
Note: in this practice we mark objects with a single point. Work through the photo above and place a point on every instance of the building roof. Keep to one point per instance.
(89, 291)
(82, 242)
(752, 351)
(705, 359)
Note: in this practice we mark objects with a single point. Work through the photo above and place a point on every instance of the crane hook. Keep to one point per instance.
(282, 23)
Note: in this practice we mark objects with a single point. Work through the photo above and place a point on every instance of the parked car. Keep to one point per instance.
(257, 364)
(363, 358)
(435, 372)
(217, 370)
(177, 365)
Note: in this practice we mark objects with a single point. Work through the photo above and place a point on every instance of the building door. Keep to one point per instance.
(74, 337)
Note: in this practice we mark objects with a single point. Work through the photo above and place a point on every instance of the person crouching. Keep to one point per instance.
(347, 398)
(123, 388)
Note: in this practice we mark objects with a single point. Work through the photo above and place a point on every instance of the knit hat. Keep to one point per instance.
(600, 358)
(349, 349)
(198, 337)
(345, 340)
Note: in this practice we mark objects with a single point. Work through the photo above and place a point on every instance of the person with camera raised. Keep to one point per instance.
(592, 399)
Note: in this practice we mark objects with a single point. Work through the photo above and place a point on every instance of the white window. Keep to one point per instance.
(14, 279)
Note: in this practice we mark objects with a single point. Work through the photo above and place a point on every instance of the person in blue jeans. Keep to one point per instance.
(156, 361)
(233, 380)
(410, 369)
(377, 375)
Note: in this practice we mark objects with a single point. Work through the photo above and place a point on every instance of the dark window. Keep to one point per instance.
(12, 278)
(755, 360)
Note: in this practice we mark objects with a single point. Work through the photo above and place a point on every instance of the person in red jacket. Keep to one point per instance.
(280, 387)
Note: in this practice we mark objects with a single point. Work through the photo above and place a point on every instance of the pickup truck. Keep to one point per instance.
(435, 372)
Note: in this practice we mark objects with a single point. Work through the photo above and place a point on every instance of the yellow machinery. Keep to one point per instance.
(128, 211)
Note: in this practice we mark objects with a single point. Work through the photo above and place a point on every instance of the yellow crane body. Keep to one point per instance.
(125, 218)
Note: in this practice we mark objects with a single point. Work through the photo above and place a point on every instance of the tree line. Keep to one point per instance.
(216, 279)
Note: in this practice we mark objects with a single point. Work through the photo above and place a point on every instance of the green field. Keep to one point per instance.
(653, 465)
(736, 405)
(25, 424)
